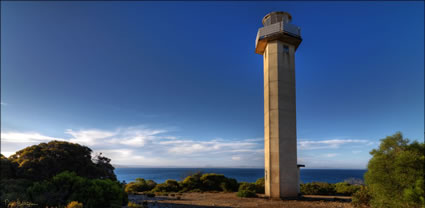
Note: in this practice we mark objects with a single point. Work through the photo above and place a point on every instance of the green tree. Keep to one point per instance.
(395, 173)
(45, 160)
(67, 186)
(6, 168)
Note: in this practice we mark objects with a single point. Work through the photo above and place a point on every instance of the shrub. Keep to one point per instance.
(317, 188)
(74, 204)
(362, 197)
(45, 160)
(260, 186)
(140, 185)
(133, 205)
(395, 173)
(247, 190)
(168, 186)
(212, 181)
(346, 189)
(6, 168)
(192, 182)
(67, 186)
(14, 190)
(229, 185)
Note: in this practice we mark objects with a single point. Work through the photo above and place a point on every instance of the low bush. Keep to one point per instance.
(229, 185)
(133, 205)
(67, 186)
(13, 190)
(168, 186)
(247, 190)
(346, 189)
(362, 197)
(317, 188)
(260, 186)
(74, 204)
(140, 185)
(212, 182)
(192, 182)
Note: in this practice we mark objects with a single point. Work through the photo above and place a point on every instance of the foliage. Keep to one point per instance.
(168, 186)
(317, 188)
(133, 205)
(14, 190)
(74, 204)
(45, 160)
(346, 189)
(260, 186)
(362, 197)
(67, 186)
(209, 182)
(212, 181)
(354, 181)
(6, 168)
(192, 182)
(20, 204)
(395, 173)
(229, 185)
(140, 185)
(247, 190)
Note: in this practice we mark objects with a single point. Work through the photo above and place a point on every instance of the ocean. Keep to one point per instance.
(159, 175)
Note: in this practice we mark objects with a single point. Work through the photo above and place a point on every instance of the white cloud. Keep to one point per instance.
(144, 146)
(14, 141)
(356, 151)
(331, 155)
(25, 137)
(326, 144)
(236, 158)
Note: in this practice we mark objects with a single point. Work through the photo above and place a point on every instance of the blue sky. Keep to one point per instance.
(179, 83)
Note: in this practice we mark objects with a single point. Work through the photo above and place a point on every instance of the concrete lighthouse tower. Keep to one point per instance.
(277, 41)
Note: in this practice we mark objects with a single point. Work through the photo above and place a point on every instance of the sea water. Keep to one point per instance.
(159, 175)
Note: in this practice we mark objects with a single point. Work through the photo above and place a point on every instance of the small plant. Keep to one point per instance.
(318, 188)
(346, 189)
(362, 197)
(168, 186)
(133, 205)
(20, 204)
(247, 190)
(260, 186)
(74, 204)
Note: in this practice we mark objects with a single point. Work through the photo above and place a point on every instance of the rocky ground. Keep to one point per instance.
(227, 200)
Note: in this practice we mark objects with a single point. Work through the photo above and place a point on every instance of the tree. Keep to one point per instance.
(395, 173)
(6, 168)
(45, 160)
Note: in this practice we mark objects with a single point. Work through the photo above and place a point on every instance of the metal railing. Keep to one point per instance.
(278, 28)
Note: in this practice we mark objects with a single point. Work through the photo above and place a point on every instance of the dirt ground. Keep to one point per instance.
(227, 200)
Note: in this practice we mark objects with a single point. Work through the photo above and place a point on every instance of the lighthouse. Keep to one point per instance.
(277, 41)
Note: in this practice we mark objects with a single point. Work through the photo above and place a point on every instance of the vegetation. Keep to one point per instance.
(321, 188)
(260, 186)
(247, 190)
(140, 185)
(56, 173)
(45, 160)
(74, 204)
(362, 197)
(395, 173)
(67, 186)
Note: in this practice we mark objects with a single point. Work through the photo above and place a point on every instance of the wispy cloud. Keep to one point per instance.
(326, 144)
(331, 155)
(139, 145)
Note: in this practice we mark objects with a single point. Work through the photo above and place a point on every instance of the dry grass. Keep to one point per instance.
(225, 200)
